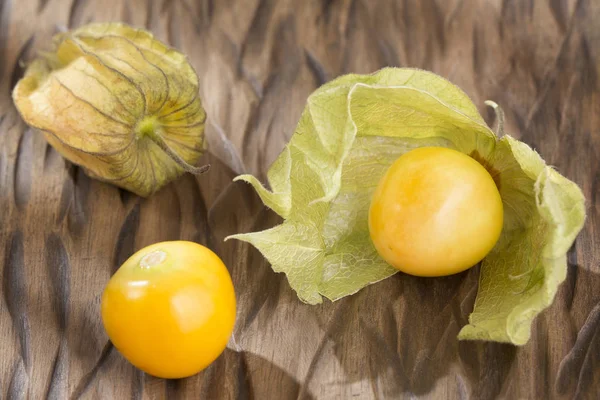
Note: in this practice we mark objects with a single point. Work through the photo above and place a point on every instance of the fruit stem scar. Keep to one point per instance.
(495, 174)
(150, 127)
(153, 259)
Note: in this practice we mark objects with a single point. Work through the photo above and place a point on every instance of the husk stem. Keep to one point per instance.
(499, 116)
(150, 128)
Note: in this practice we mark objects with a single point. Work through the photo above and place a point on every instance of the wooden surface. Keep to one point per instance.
(63, 234)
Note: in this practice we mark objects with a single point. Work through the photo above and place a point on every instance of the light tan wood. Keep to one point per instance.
(63, 234)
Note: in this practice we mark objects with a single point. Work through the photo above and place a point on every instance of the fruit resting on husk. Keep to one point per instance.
(352, 129)
(117, 102)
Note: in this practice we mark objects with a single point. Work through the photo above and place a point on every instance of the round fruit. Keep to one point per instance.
(170, 308)
(435, 212)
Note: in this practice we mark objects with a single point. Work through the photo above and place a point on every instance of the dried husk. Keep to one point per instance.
(117, 102)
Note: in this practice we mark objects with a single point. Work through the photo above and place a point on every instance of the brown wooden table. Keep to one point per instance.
(63, 234)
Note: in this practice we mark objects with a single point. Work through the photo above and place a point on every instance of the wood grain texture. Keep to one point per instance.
(62, 234)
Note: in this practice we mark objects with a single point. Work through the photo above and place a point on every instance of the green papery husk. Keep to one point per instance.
(350, 132)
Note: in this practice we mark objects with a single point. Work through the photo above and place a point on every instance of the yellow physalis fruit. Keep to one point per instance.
(119, 103)
(435, 212)
(170, 309)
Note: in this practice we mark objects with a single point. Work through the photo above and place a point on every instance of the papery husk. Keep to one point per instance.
(351, 131)
(117, 102)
